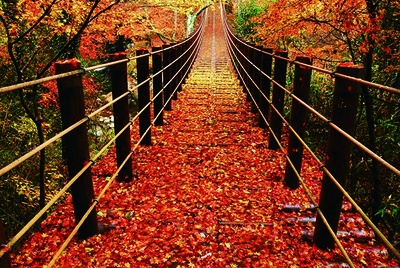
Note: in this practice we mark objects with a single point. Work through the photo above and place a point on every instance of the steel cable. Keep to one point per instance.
(308, 192)
(75, 230)
(359, 210)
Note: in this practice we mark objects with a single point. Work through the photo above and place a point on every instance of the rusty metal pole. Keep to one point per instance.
(167, 76)
(157, 87)
(266, 67)
(344, 111)
(119, 84)
(5, 260)
(278, 98)
(143, 74)
(298, 118)
(76, 146)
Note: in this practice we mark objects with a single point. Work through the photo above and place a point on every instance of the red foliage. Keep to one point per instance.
(209, 193)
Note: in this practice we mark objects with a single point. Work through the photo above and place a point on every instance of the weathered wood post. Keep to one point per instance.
(5, 259)
(241, 64)
(119, 84)
(252, 79)
(247, 72)
(278, 98)
(180, 66)
(259, 60)
(344, 110)
(167, 74)
(298, 117)
(143, 74)
(188, 58)
(76, 145)
(157, 87)
(174, 70)
(266, 67)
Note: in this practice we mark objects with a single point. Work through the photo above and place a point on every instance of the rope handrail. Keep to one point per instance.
(316, 68)
(170, 64)
(190, 60)
(166, 84)
(308, 192)
(60, 193)
(106, 187)
(63, 190)
(90, 68)
(150, 53)
(368, 151)
(56, 137)
(352, 139)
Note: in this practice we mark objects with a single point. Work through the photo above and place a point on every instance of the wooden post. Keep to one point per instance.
(180, 66)
(247, 72)
(187, 59)
(5, 259)
(142, 64)
(344, 110)
(256, 76)
(157, 87)
(76, 145)
(174, 70)
(241, 65)
(278, 98)
(298, 117)
(266, 67)
(119, 83)
(167, 77)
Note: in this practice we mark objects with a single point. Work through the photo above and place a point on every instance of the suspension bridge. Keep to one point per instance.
(207, 173)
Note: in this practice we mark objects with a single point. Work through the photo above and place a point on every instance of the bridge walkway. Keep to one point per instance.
(208, 192)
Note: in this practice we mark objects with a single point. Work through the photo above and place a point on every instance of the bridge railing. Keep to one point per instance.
(170, 67)
(255, 66)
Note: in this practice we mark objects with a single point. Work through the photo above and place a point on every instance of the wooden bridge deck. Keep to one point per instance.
(208, 192)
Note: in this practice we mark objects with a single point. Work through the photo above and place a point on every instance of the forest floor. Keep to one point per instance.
(208, 192)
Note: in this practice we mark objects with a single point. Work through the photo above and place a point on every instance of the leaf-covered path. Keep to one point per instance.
(208, 192)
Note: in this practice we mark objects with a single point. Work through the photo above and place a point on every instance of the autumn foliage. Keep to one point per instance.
(207, 193)
(35, 34)
(331, 31)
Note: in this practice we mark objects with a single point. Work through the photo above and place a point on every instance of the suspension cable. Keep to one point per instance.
(359, 210)
(308, 192)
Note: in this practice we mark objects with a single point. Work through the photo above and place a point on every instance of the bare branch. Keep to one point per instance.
(45, 13)
(71, 41)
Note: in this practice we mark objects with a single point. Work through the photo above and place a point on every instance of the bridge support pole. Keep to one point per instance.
(119, 83)
(180, 66)
(142, 64)
(188, 58)
(253, 79)
(174, 71)
(167, 74)
(344, 110)
(157, 87)
(5, 259)
(241, 65)
(247, 73)
(265, 85)
(278, 98)
(76, 145)
(298, 118)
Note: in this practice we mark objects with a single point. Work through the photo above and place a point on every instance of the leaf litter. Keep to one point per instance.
(207, 193)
